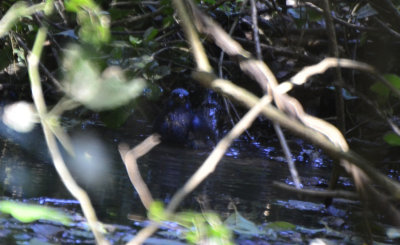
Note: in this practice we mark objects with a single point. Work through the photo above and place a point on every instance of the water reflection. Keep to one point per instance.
(244, 178)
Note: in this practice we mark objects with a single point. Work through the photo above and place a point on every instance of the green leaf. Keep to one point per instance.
(115, 118)
(13, 15)
(150, 34)
(30, 212)
(392, 139)
(381, 90)
(168, 21)
(135, 40)
(281, 225)
(157, 211)
(77, 5)
(95, 24)
(393, 79)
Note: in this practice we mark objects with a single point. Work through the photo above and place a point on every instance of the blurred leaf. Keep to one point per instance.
(77, 5)
(18, 10)
(217, 229)
(381, 90)
(209, 1)
(30, 212)
(241, 225)
(95, 24)
(107, 90)
(153, 91)
(393, 79)
(157, 72)
(135, 40)
(150, 34)
(313, 15)
(167, 21)
(49, 7)
(68, 33)
(140, 63)
(55, 127)
(115, 118)
(280, 225)
(392, 139)
(365, 12)
(157, 211)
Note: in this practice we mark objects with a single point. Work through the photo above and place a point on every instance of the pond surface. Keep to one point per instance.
(243, 178)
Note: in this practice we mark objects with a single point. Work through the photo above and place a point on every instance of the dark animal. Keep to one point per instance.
(181, 124)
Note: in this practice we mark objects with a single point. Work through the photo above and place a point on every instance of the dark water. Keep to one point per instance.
(244, 178)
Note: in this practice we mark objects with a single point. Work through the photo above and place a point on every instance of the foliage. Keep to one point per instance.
(392, 139)
(200, 227)
(95, 24)
(30, 212)
(382, 90)
(98, 91)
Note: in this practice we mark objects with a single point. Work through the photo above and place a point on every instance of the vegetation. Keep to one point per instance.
(325, 71)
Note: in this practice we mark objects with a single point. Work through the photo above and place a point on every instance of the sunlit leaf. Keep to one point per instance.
(77, 5)
(95, 24)
(18, 10)
(157, 211)
(30, 212)
(392, 139)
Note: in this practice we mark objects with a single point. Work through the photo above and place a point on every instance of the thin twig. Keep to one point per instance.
(67, 179)
(249, 100)
(256, 37)
(318, 193)
(221, 74)
(207, 167)
(138, 17)
(42, 67)
(334, 50)
(192, 36)
(277, 128)
(129, 157)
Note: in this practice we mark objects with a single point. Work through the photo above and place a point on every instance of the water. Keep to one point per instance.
(243, 180)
